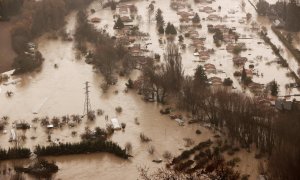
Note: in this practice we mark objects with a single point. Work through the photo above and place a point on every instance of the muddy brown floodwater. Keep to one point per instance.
(58, 92)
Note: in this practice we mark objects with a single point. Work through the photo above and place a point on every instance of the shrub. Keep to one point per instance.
(227, 82)
(237, 73)
(104, 87)
(247, 81)
(196, 18)
(14, 153)
(170, 29)
(233, 161)
(80, 148)
(91, 115)
(100, 112)
(198, 131)
(167, 155)
(188, 142)
(55, 121)
(151, 149)
(144, 138)
(156, 56)
(77, 118)
(119, 24)
(180, 38)
(123, 125)
(128, 147)
(161, 30)
(118, 109)
(129, 84)
(110, 129)
(22, 125)
(237, 50)
(2, 125)
(40, 168)
(136, 121)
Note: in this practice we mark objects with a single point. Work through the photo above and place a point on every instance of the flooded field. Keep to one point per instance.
(60, 91)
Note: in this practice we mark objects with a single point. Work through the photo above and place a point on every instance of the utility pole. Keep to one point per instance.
(87, 103)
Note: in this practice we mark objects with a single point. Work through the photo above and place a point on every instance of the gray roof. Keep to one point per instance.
(282, 104)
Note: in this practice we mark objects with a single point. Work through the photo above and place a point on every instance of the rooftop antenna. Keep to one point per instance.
(87, 102)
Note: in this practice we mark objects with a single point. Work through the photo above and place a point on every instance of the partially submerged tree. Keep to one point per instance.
(273, 87)
(159, 18)
(262, 7)
(196, 18)
(167, 78)
(119, 24)
(200, 78)
(170, 29)
(161, 30)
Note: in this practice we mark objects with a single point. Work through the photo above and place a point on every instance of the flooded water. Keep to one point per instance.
(60, 91)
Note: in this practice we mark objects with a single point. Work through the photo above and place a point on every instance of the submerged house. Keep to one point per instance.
(115, 123)
(283, 104)
(239, 61)
(215, 81)
(210, 68)
(213, 17)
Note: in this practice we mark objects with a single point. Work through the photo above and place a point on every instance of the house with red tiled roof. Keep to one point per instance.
(239, 61)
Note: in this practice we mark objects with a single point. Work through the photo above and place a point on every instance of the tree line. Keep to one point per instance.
(287, 12)
(158, 81)
(66, 149)
(108, 51)
(247, 121)
(9, 8)
(14, 153)
(38, 18)
(81, 148)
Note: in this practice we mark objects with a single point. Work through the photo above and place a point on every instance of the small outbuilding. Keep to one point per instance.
(115, 123)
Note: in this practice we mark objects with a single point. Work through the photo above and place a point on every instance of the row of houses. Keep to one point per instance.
(125, 12)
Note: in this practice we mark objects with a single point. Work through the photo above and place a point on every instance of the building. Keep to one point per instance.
(283, 104)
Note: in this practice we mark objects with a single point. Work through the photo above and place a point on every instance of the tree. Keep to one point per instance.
(161, 30)
(262, 7)
(227, 82)
(151, 7)
(180, 38)
(160, 81)
(196, 18)
(113, 5)
(119, 24)
(200, 78)
(159, 18)
(289, 38)
(129, 84)
(292, 16)
(170, 29)
(237, 49)
(9, 7)
(218, 36)
(273, 86)
(244, 75)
